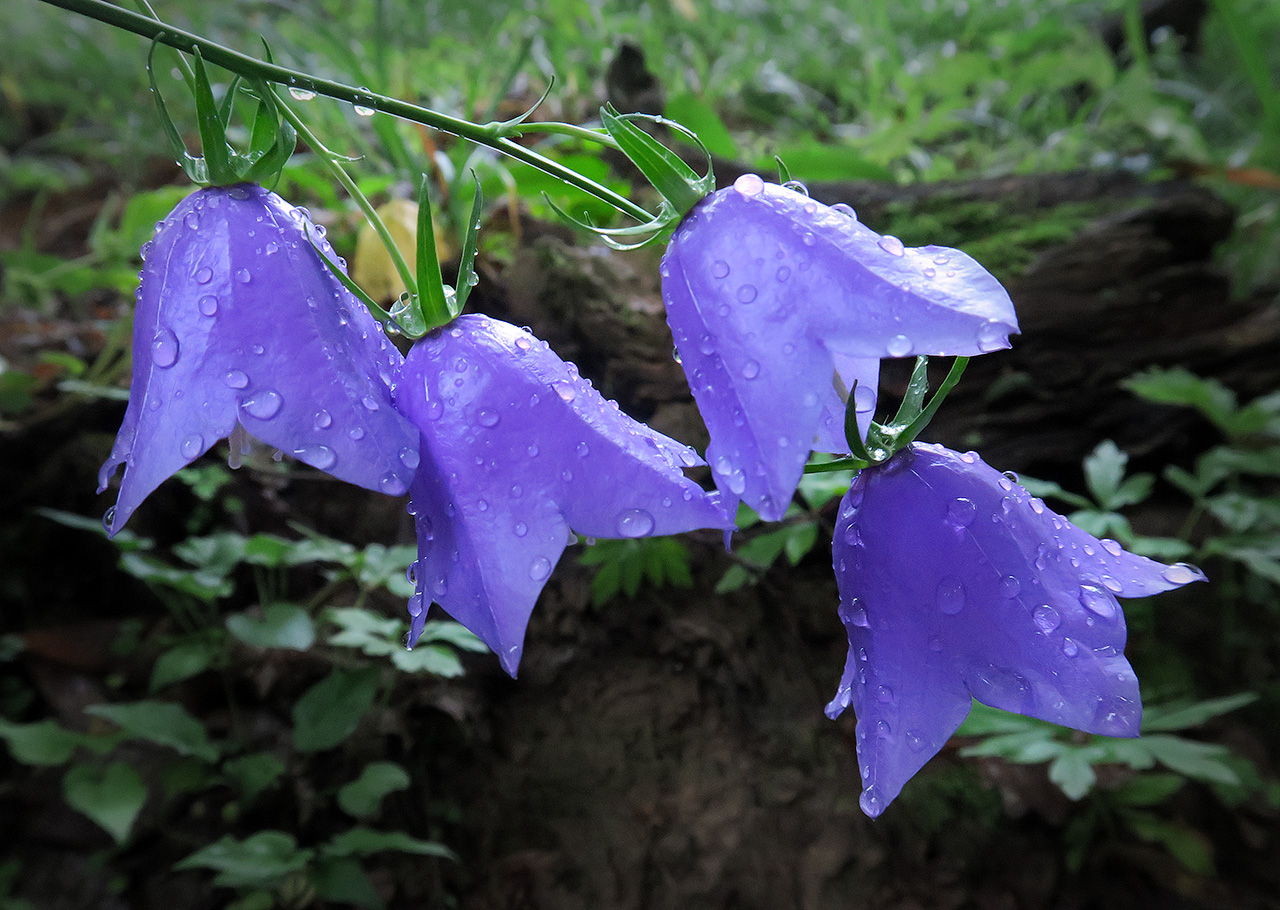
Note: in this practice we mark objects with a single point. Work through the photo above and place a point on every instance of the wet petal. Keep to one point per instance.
(238, 320)
(957, 584)
(765, 288)
(517, 448)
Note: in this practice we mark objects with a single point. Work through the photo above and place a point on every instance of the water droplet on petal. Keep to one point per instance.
(746, 293)
(355, 434)
(783, 273)
(1046, 618)
(391, 485)
(884, 694)
(750, 369)
(720, 269)
(1181, 574)
(319, 456)
(1010, 586)
(164, 349)
(243, 276)
(634, 523)
(749, 185)
(487, 417)
(845, 209)
(236, 379)
(369, 402)
(204, 275)
(891, 245)
(960, 512)
(564, 390)
(540, 568)
(1070, 648)
(192, 446)
(263, 405)
(950, 595)
(532, 451)
(321, 420)
(1112, 546)
(1097, 601)
(898, 346)
(409, 457)
(583, 450)
(208, 305)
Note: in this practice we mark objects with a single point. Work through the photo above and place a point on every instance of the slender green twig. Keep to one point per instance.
(490, 135)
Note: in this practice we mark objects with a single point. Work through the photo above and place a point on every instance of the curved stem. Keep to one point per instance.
(244, 65)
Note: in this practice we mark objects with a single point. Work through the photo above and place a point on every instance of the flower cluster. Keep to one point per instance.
(954, 582)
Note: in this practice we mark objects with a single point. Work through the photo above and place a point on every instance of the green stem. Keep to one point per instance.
(331, 162)
(250, 67)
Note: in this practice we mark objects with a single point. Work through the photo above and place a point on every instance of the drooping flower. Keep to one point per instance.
(956, 584)
(771, 296)
(517, 449)
(239, 321)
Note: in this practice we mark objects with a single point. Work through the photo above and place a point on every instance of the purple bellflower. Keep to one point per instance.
(779, 305)
(240, 323)
(956, 584)
(517, 448)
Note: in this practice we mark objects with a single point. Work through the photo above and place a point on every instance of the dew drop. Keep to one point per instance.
(487, 417)
(521, 529)
(1046, 618)
(319, 456)
(950, 595)
(272, 247)
(891, 245)
(746, 293)
(192, 446)
(321, 420)
(243, 276)
(884, 694)
(263, 405)
(749, 185)
(1111, 546)
(1181, 574)
(898, 346)
(409, 457)
(915, 742)
(930, 272)
(164, 349)
(191, 220)
(391, 485)
(960, 512)
(583, 450)
(362, 111)
(1010, 586)
(720, 269)
(1070, 648)
(204, 275)
(236, 379)
(783, 273)
(564, 390)
(1097, 602)
(992, 337)
(864, 399)
(540, 568)
(109, 518)
(532, 451)
(846, 210)
(208, 305)
(369, 402)
(355, 434)
(301, 94)
(1111, 584)
(750, 369)
(634, 523)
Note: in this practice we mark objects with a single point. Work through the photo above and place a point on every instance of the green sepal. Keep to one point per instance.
(510, 129)
(917, 389)
(191, 165)
(467, 277)
(229, 102)
(678, 183)
(355, 289)
(432, 306)
(883, 440)
(784, 172)
(656, 229)
(272, 141)
(213, 135)
(851, 433)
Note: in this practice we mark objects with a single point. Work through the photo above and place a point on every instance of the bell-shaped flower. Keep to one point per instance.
(956, 584)
(240, 322)
(779, 305)
(517, 449)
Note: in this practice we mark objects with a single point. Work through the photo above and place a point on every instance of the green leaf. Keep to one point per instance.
(213, 137)
(1103, 472)
(261, 859)
(467, 278)
(1073, 773)
(183, 661)
(281, 626)
(41, 743)
(253, 773)
(678, 183)
(452, 633)
(434, 308)
(1149, 789)
(437, 660)
(364, 795)
(1183, 715)
(700, 117)
(365, 841)
(1185, 844)
(163, 723)
(810, 159)
(111, 796)
(341, 880)
(330, 711)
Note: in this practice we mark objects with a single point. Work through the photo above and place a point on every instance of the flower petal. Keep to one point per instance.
(517, 448)
(238, 320)
(955, 584)
(764, 286)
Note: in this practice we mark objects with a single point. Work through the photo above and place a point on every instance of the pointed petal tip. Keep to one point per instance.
(870, 804)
